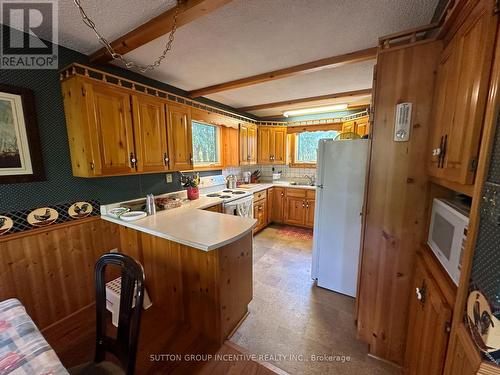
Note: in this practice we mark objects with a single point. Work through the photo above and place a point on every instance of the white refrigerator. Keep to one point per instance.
(341, 173)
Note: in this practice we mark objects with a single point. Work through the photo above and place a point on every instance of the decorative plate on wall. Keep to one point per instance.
(42, 216)
(6, 224)
(80, 210)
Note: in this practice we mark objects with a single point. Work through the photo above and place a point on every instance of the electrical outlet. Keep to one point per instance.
(169, 178)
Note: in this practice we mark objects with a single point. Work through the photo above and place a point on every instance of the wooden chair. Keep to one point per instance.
(124, 346)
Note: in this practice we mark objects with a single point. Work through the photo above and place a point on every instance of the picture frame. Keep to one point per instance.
(20, 149)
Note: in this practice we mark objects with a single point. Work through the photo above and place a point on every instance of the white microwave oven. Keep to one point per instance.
(448, 234)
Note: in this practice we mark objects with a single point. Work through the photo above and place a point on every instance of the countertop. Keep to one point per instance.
(254, 188)
(190, 225)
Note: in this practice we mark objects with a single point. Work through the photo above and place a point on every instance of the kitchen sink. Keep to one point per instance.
(296, 183)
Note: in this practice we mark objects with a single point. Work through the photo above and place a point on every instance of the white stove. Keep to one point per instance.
(235, 201)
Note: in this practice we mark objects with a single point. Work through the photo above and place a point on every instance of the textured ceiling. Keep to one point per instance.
(247, 37)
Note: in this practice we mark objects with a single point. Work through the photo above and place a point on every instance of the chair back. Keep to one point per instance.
(124, 346)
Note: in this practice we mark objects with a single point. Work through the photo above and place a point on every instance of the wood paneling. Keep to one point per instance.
(395, 213)
(206, 290)
(52, 271)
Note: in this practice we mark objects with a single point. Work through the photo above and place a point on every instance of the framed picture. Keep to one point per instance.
(20, 151)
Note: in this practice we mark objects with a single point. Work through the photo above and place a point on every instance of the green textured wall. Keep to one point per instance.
(60, 186)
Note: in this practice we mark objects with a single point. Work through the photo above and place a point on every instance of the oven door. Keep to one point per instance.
(240, 207)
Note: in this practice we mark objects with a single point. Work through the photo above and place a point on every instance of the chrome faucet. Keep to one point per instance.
(311, 179)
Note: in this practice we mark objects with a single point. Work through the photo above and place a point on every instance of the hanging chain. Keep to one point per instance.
(118, 56)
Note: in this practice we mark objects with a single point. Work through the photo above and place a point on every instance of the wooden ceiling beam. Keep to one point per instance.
(189, 11)
(313, 66)
(345, 94)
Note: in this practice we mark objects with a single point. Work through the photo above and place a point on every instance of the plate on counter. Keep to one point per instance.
(133, 215)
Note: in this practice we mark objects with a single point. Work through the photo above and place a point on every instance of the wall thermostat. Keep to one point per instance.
(402, 124)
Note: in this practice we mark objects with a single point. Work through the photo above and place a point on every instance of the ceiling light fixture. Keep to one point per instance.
(314, 110)
(118, 56)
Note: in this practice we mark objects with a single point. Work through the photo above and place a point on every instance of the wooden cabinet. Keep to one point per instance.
(278, 204)
(310, 213)
(181, 143)
(113, 131)
(230, 147)
(363, 126)
(429, 324)
(349, 127)
(248, 144)
(217, 208)
(271, 145)
(260, 210)
(463, 358)
(150, 134)
(299, 207)
(460, 97)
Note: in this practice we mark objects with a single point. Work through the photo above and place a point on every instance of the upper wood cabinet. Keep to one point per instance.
(100, 130)
(460, 97)
(248, 144)
(115, 131)
(271, 145)
(180, 136)
(230, 147)
(150, 131)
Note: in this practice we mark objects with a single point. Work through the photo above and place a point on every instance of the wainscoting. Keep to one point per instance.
(51, 270)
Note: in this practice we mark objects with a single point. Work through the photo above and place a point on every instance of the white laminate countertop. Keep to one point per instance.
(254, 188)
(190, 225)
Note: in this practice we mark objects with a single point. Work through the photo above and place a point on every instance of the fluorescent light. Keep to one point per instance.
(308, 111)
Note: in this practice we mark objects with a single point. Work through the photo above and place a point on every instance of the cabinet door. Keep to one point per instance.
(443, 107)
(259, 213)
(244, 156)
(264, 145)
(348, 127)
(111, 131)
(270, 204)
(428, 334)
(278, 205)
(180, 137)
(150, 133)
(295, 211)
(231, 149)
(362, 126)
(310, 213)
(252, 144)
(474, 47)
(279, 146)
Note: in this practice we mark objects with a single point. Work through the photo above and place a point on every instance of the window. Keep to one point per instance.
(306, 145)
(206, 144)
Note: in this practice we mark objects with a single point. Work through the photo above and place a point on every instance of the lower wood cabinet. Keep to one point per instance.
(463, 357)
(216, 208)
(260, 213)
(278, 204)
(429, 322)
(299, 207)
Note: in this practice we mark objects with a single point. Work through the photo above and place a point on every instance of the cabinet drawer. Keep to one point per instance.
(298, 193)
(311, 194)
(259, 195)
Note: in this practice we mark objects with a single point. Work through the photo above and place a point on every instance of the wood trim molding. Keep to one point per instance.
(311, 128)
(309, 67)
(160, 25)
(283, 103)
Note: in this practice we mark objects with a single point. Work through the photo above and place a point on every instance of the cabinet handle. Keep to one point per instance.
(191, 158)
(443, 150)
(421, 293)
(92, 165)
(439, 151)
(133, 160)
(303, 204)
(282, 194)
(166, 160)
(248, 157)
